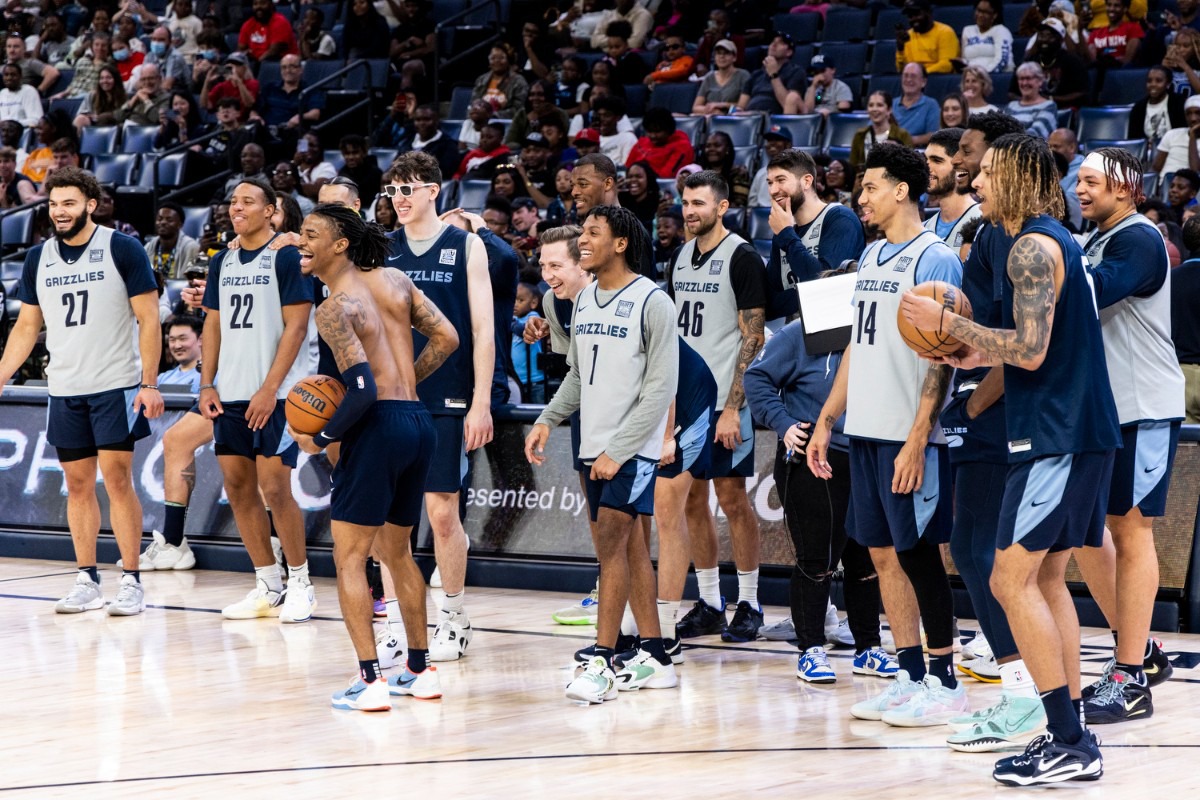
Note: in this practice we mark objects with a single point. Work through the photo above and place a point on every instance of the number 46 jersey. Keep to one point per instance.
(886, 375)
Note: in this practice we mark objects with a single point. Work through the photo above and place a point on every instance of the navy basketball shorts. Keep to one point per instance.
(878, 517)
(693, 450)
(195, 409)
(736, 463)
(232, 435)
(1056, 502)
(385, 456)
(81, 425)
(1142, 468)
(576, 438)
(448, 463)
(631, 490)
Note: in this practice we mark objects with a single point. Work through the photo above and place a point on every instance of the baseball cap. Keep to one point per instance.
(535, 139)
(523, 202)
(237, 58)
(726, 44)
(916, 6)
(1056, 26)
(588, 135)
(688, 169)
(1191, 102)
(820, 63)
(778, 132)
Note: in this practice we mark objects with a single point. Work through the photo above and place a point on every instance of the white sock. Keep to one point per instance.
(394, 620)
(668, 613)
(709, 582)
(271, 576)
(1016, 680)
(300, 572)
(628, 625)
(748, 588)
(453, 602)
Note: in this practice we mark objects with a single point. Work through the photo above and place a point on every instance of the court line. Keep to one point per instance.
(31, 577)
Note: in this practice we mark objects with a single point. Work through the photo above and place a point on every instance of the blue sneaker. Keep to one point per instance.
(813, 666)
(360, 696)
(1048, 761)
(421, 685)
(876, 662)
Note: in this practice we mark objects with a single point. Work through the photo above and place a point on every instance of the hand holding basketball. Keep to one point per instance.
(922, 318)
(312, 402)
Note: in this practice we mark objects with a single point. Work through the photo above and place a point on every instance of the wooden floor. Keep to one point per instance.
(180, 701)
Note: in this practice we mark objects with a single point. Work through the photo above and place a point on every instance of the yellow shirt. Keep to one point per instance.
(933, 50)
(38, 162)
(1137, 11)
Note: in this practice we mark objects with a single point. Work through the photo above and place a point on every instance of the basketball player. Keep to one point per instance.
(720, 290)
(1131, 275)
(104, 339)
(624, 361)
(899, 484)
(811, 236)
(955, 209)
(388, 436)
(594, 183)
(450, 267)
(1062, 429)
(258, 305)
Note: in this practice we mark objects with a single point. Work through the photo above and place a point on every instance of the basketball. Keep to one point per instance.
(935, 343)
(312, 401)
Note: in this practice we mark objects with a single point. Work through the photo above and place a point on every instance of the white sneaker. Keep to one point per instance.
(130, 599)
(299, 601)
(841, 635)
(359, 696)
(595, 684)
(451, 637)
(423, 686)
(85, 595)
(896, 694)
(976, 648)
(984, 670)
(933, 705)
(831, 620)
(644, 672)
(388, 648)
(159, 555)
(259, 602)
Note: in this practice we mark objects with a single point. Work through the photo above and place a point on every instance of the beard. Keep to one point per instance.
(705, 225)
(77, 225)
(797, 203)
(945, 186)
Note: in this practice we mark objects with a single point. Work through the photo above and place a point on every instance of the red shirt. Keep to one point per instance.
(126, 67)
(1111, 43)
(665, 160)
(257, 38)
(227, 89)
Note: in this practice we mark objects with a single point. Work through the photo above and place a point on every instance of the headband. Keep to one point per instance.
(1110, 168)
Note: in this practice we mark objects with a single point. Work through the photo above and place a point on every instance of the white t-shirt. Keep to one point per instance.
(1175, 145)
(1158, 120)
(618, 145)
(991, 51)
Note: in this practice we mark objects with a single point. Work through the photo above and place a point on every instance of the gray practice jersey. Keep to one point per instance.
(954, 237)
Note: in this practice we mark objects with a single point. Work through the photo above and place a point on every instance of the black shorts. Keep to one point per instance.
(880, 518)
(381, 474)
(1142, 468)
(81, 425)
(232, 435)
(1056, 502)
(448, 462)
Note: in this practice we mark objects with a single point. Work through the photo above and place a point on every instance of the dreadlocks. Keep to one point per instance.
(1024, 181)
(624, 224)
(368, 241)
(1123, 170)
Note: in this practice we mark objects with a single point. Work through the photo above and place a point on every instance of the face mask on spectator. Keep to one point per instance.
(158, 48)
(209, 55)
(121, 55)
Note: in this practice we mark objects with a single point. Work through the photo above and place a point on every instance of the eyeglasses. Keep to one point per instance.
(404, 189)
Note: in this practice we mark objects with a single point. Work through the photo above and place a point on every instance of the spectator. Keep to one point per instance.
(497, 215)
(933, 45)
(267, 35)
(287, 217)
(954, 111)
(557, 141)
(639, 192)
(614, 143)
(539, 107)
(1066, 75)
(281, 105)
(1185, 318)
(171, 65)
(769, 86)
(127, 59)
(1178, 147)
(913, 110)
(234, 80)
(16, 189)
(101, 22)
(675, 65)
(987, 44)
(881, 127)
(776, 139)
(1159, 111)
(558, 209)
(1064, 142)
(52, 127)
(366, 32)
(976, 87)
(1183, 59)
(314, 41)
(525, 356)
(11, 132)
(128, 28)
(104, 216)
(721, 87)
(224, 150)
(1035, 112)
(384, 213)
(315, 171)
(525, 222)
(1095, 13)
(18, 101)
(640, 22)
(570, 89)
(536, 169)
(397, 125)
(53, 45)
(1180, 195)
(72, 13)
(105, 105)
(359, 165)
(65, 153)
(218, 232)
(579, 23)
(185, 28)
(539, 53)
(668, 240)
(212, 52)
(481, 162)
(171, 251)
(479, 113)
(285, 179)
(508, 183)
(252, 161)
(664, 147)
(1114, 43)
(718, 30)
(181, 123)
(627, 66)
(148, 103)
(718, 155)
(413, 45)
(185, 347)
(839, 179)
(427, 135)
(35, 73)
(500, 86)
(87, 69)
(587, 142)
(825, 94)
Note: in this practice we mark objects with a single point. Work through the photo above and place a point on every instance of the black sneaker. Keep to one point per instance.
(674, 649)
(1048, 761)
(1156, 665)
(626, 648)
(1119, 700)
(1090, 690)
(585, 655)
(745, 625)
(702, 620)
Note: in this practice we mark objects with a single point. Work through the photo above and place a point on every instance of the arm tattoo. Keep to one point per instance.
(428, 319)
(337, 319)
(937, 379)
(751, 321)
(1031, 270)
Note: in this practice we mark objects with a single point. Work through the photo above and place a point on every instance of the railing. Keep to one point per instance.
(439, 64)
(337, 76)
(183, 148)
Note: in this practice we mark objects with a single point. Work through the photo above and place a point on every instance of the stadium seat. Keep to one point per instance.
(883, 83)
(805, 128)
(883, 57)
(802, 28)
(98, 140)
(1019, 44)
(941, 85)
(694, 126)
(268, 72)
(1165, 184)
(636, 95)
(334, 157)
(138, 138)
(194, 220)
(746, 157)
(170, 170)
(838, 151)
(460, 101)
(763, 248)
(384, 156)
(472, 194)
(957, 17)
(675, 97)
(1066, 118)
(374, 77)
(16, 230)
(1149, 183)
(1013, 13)
(70, 105)
(735, 220)
(65, 76)
(11, 270)
(115, 168)
(1122, 86)
(850, 57)
(846, 25)
(1135, 146)
(315, 71)
(742, 130)
(758, 227)
(1104, 122)
(840, 128)
(448, 196)
(886, 22)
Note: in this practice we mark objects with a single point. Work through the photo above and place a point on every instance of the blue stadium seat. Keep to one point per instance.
(450, 127)
(1149, 183)
(804, 128)
(885, 23)
(1165, 184)
(357, 79)
(472, 193)
(1066, 117)
(939, 86)
(1019, 44)
(11, 270)
(1104, 122)
(758, 226)
(763, 248)
(846, 25)
(1013, 12)
(957, 17)
(883, 57)
(882, 83)
(268, 72)
(735, 220)
(65, 76)
(747, 157)
(694, 126)
(384, 156)
(334, 157)
(448, 196)
(98, 140)
(460, 101)
(138, 138)
(838, 151)
(170, 170)
(636, 95)
(675, 97)
(1136, 147)
(68, 104)
(742, 130)
(802, 28)
(115, 168)
(315, 71)
(850, 57)
(16, 230)
(840, 128)
(1122, 86)
(194, 220)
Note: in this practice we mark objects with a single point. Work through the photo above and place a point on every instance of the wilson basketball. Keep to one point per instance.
(312, 401)
(935, 343)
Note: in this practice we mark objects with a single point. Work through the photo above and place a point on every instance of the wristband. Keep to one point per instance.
(153, 386)
(207, 386)
(772, 77)
(321, 440)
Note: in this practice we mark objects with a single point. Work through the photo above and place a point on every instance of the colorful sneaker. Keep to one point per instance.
(581, 613)
(259, 602)
(674, 649)
(388, 648)
(360, 696)
(1010, 723)
(1047, 760)
(299, 601)
(1156, 665)
(984, 670)
(841, 635)
(1091, 689)
(159, 555)
(379, 609)
(894, 695)
(744, 627)
(1119, 700)
(421, 685)
(644, 672)
(933, 705)
(594, 684)
(813, 666)
(130, 600)
(702, 620)
(782, 631)
(85, 595)
(976, 648)
(451, 637)
(876, 662)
